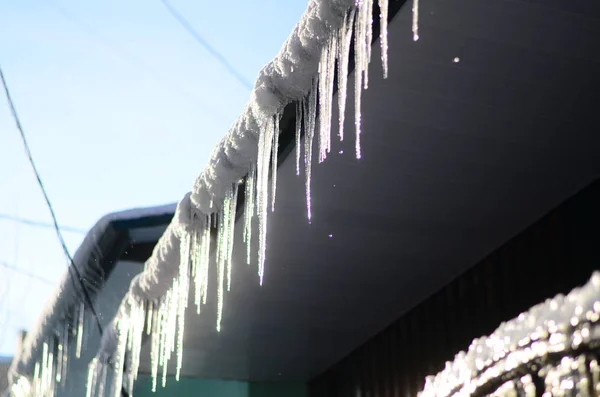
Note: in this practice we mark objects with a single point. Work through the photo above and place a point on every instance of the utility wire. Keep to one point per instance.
(71, 268)
(30, 222)
(216, 54)
(26, 273)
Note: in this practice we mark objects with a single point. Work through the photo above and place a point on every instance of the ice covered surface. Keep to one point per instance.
(561, 325)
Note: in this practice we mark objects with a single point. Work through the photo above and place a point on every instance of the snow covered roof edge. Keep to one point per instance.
(58, 308)
(303, 71)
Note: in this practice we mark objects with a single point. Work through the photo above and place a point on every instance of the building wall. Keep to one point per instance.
(553, 256)
(219, 388)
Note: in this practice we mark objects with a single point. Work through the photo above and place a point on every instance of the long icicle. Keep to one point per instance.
(310, 111)
(274, 161)
(221, 247)
(262, 191)
(345, 41)
(383, 35)
(183, 286)
(298, 134)
(359, 49)
(249, 210)
(80, 316)
(368, 26)
(415, 20)
(231, 229)
(326, 79)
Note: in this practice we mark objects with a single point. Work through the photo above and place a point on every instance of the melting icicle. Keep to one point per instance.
(182, 285)
(368, 26)
(150, 313)
(202, 239)
(343, 57)
(102, 382)
(44, 367)
(359, 34)
(119, 359)
(265, 145)
(80, 330)
(231, 233)
(298, 134)
(310, 105)
(383, 35)
(415, 20)
(65, 359)
(249, 210)
(310, 114)
(155, 345)
(274, 161)
(90, 378)
(59, 358)
(221, 256)
(326, 78)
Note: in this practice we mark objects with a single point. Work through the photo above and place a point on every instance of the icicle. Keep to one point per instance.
(155, 344)
(36, 378)
(206, 242)
(343, 57)
(359, 38)
(65, 359)
(249, 210)
(310, 114)
(368, 26)
(222, 250)
(44, 367)
(94, 385)
(231, 231)
(150, 314)
(122, 328)
(79, 330)
(50, 369)
(102, 382)
(90, 378)
(136, 330)
(265, 144)
(182, 285)
(415, 20)
(298, 134)
(59, 359)
(276, 119)
(383, 35)
(326, 78)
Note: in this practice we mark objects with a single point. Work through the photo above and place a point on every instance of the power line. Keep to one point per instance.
(216, 54)
(30, 222)
(71, 268)
(28, 274)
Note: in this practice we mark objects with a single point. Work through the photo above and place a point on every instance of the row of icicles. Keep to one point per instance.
(163, 320)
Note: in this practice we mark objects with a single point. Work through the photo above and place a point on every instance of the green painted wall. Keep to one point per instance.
(219, 388)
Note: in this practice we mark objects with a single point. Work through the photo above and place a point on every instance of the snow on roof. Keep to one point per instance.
(59, 308)
(302, 72)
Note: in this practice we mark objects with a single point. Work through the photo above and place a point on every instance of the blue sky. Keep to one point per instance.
(122, 108)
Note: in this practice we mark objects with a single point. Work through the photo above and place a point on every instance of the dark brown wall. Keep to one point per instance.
(553, 256)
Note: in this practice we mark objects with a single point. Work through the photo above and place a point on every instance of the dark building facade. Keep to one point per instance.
(554, 255)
